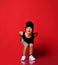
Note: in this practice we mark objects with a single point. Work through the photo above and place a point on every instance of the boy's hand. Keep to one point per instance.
(21, 33)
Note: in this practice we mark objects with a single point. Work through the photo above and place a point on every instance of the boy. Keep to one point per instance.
(27, 38)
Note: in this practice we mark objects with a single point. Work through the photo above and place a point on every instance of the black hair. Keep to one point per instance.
(30, 24)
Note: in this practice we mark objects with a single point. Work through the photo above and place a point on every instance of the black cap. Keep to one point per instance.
(30, 24)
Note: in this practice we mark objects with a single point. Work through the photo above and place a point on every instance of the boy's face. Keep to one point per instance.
(29, 30)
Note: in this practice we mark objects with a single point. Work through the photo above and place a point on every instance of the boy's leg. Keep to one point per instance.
(31, 48)
(31, 52)
(24, 52)
(25, 49)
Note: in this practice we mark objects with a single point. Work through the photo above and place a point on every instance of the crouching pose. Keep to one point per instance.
(27, 38)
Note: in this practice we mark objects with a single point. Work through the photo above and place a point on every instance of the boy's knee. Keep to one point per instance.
(31, 45)
(26, 45)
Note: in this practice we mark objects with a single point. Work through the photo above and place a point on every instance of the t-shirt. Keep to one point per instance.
(28, 40)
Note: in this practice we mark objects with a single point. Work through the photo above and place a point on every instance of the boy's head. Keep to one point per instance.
(29, 26)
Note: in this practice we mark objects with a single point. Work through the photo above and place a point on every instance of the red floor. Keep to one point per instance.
(44, 60)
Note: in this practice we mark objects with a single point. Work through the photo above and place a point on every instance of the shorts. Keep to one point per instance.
(24, 43)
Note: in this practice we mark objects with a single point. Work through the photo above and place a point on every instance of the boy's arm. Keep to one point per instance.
(35, 34)
(21, 34)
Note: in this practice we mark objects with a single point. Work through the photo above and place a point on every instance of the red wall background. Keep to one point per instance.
(13, 16)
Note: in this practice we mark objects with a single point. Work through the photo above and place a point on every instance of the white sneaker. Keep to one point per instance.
(31, 57)
(23, 58)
